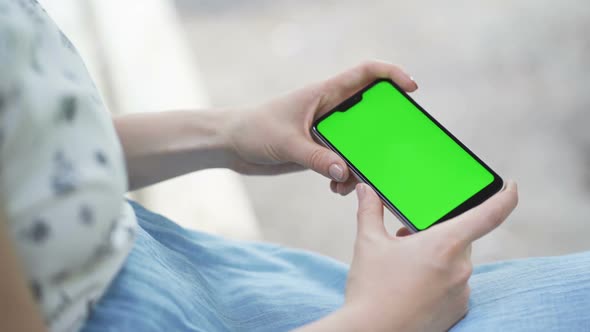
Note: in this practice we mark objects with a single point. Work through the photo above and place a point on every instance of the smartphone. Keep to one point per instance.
(422, 173)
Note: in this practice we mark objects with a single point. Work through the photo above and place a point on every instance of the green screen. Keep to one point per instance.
(422, 171)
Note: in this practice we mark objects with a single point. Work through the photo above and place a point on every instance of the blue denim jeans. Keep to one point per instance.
(180, 280)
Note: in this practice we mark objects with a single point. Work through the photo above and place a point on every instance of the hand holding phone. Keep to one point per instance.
(422, 173)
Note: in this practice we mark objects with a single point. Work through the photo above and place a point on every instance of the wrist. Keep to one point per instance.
(375, 317)
(208, 133)
(353, 319)
(242, 135)
(342, 320)
(230, 122)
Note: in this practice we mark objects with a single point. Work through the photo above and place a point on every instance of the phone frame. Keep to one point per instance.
(495, 186)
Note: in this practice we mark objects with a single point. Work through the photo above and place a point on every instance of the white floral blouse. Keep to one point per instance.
(62, 172)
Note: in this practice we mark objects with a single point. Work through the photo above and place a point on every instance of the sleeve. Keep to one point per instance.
(16, 51)
(16, 45)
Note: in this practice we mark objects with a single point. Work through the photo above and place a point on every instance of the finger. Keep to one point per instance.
(404, 231)
(358, 77)
(319, 159)
(347, 83)
(370, 211)
(484, 218)
(258, 169)
(468, 252)
(333, 186)
(345, 188)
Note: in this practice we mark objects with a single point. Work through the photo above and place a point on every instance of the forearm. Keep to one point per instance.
(160, 146)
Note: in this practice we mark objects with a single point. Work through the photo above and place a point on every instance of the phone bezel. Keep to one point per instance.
(488, 191)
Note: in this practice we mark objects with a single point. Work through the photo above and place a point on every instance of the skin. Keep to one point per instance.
(386, 291)
(269, 139)
(430, 295)
(18, 308)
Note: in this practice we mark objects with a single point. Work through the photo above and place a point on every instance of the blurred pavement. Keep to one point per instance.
(510, 78)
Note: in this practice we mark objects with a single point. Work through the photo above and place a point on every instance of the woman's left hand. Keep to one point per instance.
(275, 138)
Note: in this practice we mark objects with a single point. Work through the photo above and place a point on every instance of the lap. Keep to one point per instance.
(534, 294)
(181, 280)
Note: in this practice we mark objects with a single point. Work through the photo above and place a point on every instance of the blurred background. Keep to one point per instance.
(510, 78)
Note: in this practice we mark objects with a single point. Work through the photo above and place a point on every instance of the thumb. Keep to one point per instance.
(370, 211)
(484, 218)
(319, 159)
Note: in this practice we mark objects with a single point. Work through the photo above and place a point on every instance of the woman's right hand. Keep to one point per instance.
(417, 282)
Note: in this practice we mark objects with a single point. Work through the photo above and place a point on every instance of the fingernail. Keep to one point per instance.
(508, 184)
(413, 80)
(512, 184)
(360, 190)
(336, 172)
